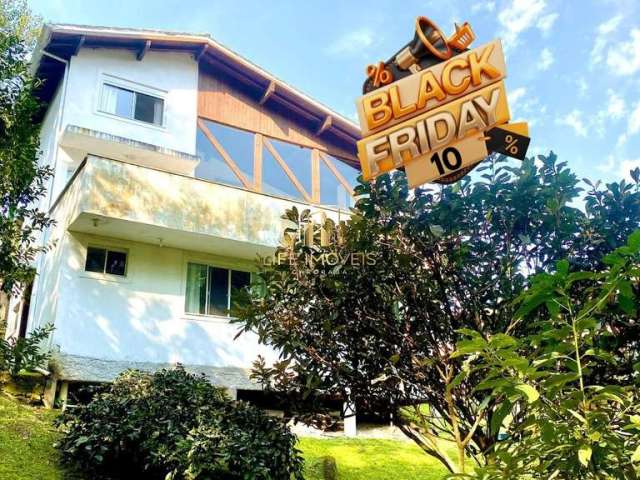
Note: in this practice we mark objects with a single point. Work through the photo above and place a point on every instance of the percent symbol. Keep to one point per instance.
(380, 74)
(512, 144)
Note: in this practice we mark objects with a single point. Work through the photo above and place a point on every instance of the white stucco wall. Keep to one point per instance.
(48, 141)
(173, 75)
(141, 317)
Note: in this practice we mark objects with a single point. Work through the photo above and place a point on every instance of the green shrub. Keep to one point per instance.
(561, 418)
(18, 353)
(175, 425)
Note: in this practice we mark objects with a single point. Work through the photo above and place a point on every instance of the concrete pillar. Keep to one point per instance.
(64, 393)
(232, 393)
(49, 398)
(350, 421)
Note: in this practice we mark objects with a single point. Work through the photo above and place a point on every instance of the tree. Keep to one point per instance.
(555, 418)
(382, 332)
(22, 180)
(17, 19)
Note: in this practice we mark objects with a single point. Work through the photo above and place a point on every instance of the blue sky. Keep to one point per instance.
(573, 66)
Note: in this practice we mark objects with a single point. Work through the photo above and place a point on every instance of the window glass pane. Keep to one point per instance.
(148, 109)
(239, 280)
(274, 180)
(332, 192)
(351, 175)
(212, 166)
(116, 263)
(196, 296)
(237, 143)
(218, 291)
(117, 101)
(298, 159)
(95, 259)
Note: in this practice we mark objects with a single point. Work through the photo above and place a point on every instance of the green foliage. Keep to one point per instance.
(22, 180)
(174, 425)
(17, 19)
(558, 419)
(382, 332)
(25, 353)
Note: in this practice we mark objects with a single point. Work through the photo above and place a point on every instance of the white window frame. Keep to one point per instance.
(227, 265)
(135, 87)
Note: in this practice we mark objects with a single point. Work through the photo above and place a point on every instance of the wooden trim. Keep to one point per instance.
(337, 174)
(271, 88)
(287, 170)
(78, 46)
(315, 175)
(143, 51)
(201, 52)
(325, 125)
(351, 161)
(257, 161)
(225, 156)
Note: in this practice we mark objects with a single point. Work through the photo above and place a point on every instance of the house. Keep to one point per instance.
(173, 160)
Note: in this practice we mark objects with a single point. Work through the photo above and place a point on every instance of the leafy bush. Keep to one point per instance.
(560, 420)
(17, 353)
(175, 425)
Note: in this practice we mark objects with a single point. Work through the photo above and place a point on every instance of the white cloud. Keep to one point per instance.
(546, 23)
(518, 17)
(487, 6)
(573, 119)
(515, 95)
(583, 87)
(624, 58)
(622, 139)
(546, 59)
(603, 35)
(352, 42)
(634, 120)
(525, 107)
(609, 166)
(616, 107)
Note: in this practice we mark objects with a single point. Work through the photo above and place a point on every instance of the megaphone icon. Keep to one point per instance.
(428, 40)
(428, 47)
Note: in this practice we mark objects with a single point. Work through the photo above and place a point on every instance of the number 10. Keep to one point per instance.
(449, 163)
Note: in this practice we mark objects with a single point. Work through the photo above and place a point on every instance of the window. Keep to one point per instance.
(213, 290)
(102, 260)
(275, 181)
(130, 104)
(332, 191)
(239, 146)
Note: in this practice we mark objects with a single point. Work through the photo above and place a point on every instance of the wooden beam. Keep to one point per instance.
(201, 52)
(78, 46)
(225, 156)
(315, 175)
(287, 170)
(257, 161)
(268, 92)
(326, 124)
(337, 174)
(143, 51)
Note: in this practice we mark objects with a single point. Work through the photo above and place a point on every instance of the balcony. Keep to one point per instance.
(112, 198)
